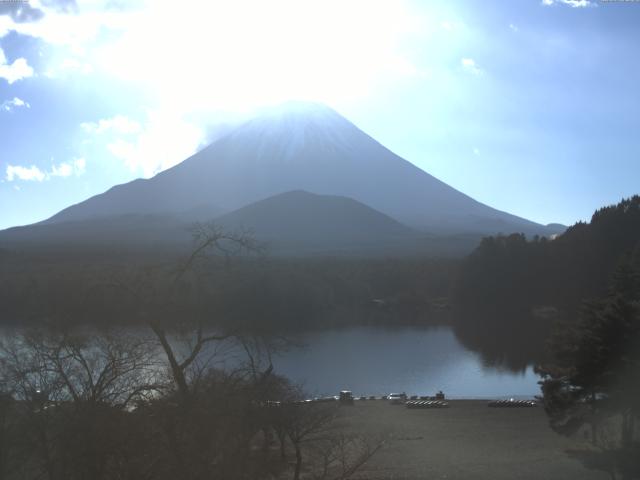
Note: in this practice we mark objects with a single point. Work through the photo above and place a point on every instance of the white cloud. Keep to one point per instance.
(62, 170)
(18, 172)
(124, 151)
(165, 141)
(513, 27)
(571, 3)
(76, 65)
(476, 151)
(15, 71)
(10, 105)
(119, 124)
(470, 65)
(80, 166)
(451, 25)
(63, 29)
(75, 167)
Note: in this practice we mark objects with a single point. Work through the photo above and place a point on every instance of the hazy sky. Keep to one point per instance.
(530, 106)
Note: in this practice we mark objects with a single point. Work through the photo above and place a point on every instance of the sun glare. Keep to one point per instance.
(243, 54)
(187, 66)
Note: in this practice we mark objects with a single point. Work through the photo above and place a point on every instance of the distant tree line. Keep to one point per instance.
(511, 291)
(263, 293)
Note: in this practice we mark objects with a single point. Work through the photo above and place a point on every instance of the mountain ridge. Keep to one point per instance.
(304, 221)
(301, 147)
(292, 223)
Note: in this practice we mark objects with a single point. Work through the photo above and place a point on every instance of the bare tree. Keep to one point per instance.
(341, 455)
(70, 391)
(303, 423)
(156, 290)
(111, 368)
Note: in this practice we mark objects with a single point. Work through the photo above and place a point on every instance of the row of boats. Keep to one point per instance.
(437, 401)
(426, 404)
(511, 403)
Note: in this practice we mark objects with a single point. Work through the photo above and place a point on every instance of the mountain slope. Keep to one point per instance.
(292, 223)
(301, 221)
(302, 147)
(115, 232)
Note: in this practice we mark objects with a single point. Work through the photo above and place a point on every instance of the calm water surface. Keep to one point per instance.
(377, 361)
(418, 361)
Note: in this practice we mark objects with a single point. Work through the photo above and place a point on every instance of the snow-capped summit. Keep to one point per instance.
(295, 125)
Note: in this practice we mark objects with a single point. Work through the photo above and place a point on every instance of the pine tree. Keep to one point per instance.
(595, 378)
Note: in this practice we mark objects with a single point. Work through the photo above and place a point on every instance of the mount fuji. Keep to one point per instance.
(296, 147)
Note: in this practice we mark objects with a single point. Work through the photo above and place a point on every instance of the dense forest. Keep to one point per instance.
(256, 291)
(511, 291)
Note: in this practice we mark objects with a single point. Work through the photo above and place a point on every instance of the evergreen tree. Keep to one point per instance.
(594, 380)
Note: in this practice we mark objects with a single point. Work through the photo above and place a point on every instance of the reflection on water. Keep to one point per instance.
(374, 361)
(418, 361)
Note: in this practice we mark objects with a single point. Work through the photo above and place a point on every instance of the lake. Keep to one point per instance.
(418, 361)
(379, 360)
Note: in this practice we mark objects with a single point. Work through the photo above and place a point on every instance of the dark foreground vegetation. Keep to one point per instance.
(156, 402)
(114, 406)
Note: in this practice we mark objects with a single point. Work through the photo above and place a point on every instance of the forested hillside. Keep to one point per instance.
(511, 290)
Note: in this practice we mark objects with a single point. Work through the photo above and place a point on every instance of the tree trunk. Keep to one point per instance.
(283, 453)
(176, 371)
(48, 463)
(296, 473)
(628, 427)
(266, 433)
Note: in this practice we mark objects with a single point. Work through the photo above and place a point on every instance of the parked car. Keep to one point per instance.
(346, 397)
(396, 398)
